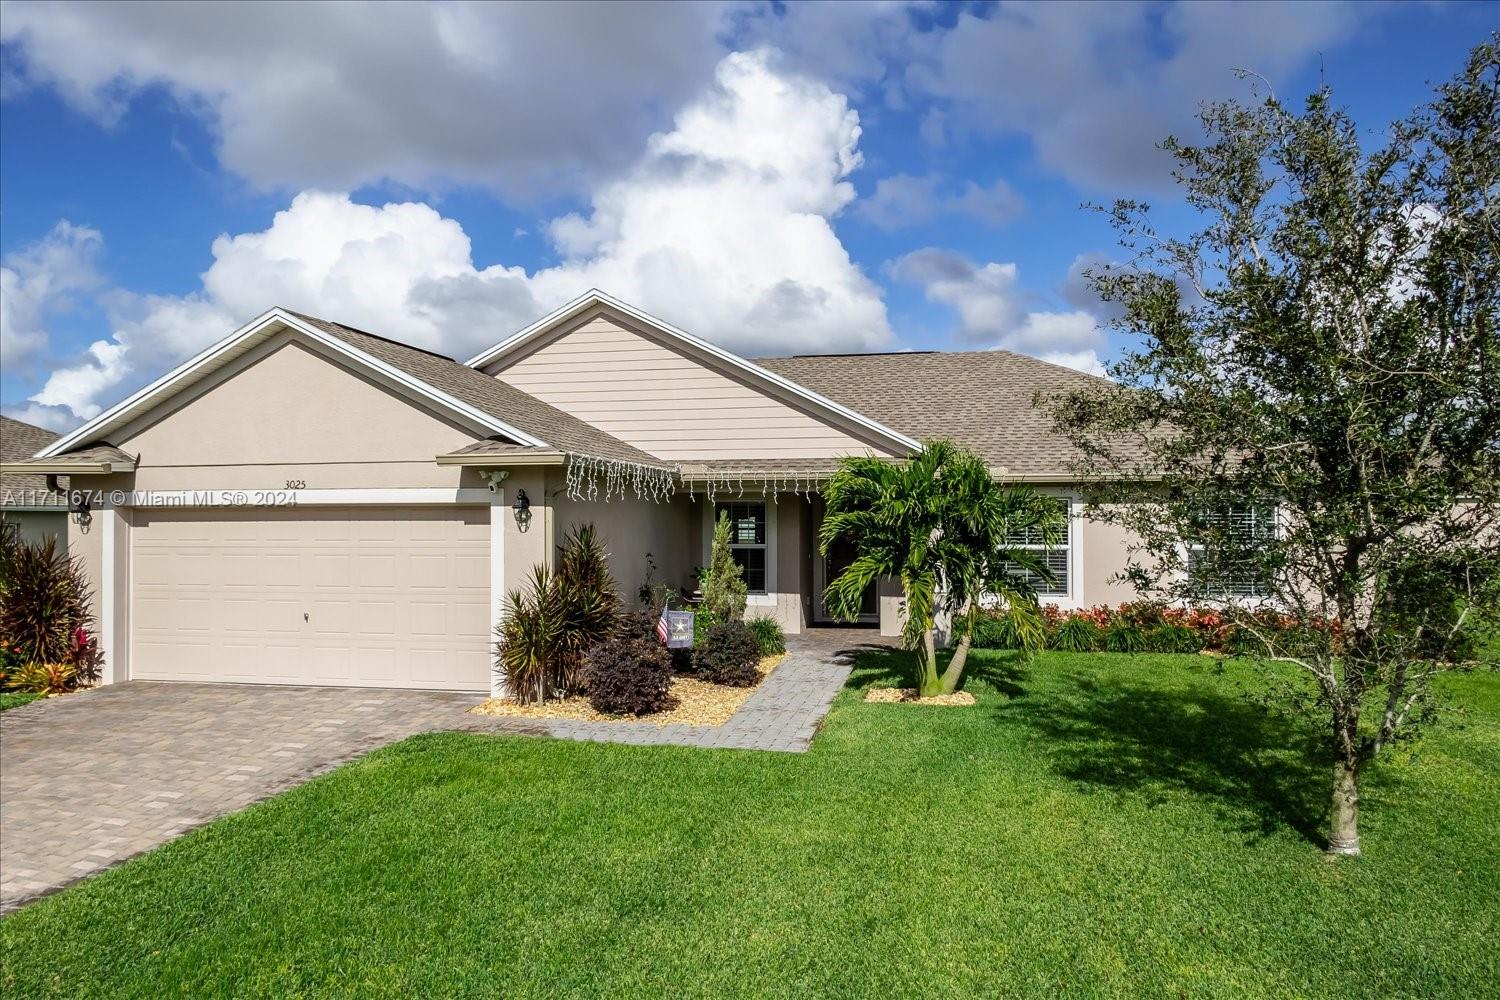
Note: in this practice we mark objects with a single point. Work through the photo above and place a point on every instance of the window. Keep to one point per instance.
(1058, 557)
(1225, 576)
(747, 540)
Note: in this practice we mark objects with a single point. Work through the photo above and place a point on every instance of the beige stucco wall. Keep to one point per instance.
(631, 529)
(34, 526)
(1105, 552)
(666, 402)
(288, 414)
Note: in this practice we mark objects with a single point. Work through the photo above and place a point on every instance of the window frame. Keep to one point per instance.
(1071, 543)
(1256, 594)
(761, 598)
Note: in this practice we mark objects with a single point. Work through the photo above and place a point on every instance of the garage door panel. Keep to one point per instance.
(395, 597)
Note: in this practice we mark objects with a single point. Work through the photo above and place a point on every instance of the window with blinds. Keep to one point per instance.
(1223, 576)
(1057, 558)
(747, 541)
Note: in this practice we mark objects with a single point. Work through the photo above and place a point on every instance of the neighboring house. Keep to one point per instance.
(27, 505)
(307, 503)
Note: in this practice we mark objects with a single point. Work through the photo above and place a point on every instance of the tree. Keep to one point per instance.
(1312, 419)
(724, 590)
(939, 524)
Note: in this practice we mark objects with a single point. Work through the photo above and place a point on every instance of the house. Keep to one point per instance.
(307, 503)
(28, 505)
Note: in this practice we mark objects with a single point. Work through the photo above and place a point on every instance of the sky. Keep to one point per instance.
(777, 178)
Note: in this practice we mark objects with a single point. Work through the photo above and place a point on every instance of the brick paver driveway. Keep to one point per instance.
(94, 778)
(89, 780)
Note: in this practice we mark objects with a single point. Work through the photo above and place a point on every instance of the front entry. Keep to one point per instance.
(827, 568)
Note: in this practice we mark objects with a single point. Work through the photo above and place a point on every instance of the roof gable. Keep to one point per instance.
(672, 394)
(252, 335)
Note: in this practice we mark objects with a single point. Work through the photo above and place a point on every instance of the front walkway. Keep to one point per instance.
(91, 779)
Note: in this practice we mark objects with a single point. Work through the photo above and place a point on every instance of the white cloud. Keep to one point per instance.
(902, 200)
(1097, 86)
(722, 226)
(992, 309)
(38, 280)
(515, 96)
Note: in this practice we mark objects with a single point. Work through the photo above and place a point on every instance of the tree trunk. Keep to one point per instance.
(1343, 827)
(928, 682)
(955, 670)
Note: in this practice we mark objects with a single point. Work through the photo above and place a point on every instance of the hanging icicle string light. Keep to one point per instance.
(591, 478)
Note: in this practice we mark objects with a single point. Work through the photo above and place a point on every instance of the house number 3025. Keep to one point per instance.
(296, 484)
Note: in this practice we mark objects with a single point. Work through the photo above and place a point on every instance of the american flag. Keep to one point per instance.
(661, 628)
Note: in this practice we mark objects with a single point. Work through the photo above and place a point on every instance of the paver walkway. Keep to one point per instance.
(89, 780)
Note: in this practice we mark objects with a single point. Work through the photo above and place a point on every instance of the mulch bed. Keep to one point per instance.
(908, 696)
(691, 702)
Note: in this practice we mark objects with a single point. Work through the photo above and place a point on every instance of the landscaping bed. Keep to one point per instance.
(690, 701)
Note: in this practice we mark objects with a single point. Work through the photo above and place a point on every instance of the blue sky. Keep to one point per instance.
(777, 178)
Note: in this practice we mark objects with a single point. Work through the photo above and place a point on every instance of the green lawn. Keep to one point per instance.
(1096, 826)
(15, 699)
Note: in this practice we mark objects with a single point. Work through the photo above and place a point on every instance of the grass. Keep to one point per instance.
(1097, 825)
(15, 699)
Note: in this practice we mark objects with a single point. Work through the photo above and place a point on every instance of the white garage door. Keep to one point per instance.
(368, 597)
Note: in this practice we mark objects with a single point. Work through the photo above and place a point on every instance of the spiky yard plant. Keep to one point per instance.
(45, 615)
(547, 629)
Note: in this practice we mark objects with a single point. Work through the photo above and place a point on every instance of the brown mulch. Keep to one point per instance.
(691, 702)
(908, 696)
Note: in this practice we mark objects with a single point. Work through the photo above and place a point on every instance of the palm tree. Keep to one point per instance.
(939, 524)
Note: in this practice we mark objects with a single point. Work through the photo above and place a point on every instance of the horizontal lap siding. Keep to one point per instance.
(666, 403)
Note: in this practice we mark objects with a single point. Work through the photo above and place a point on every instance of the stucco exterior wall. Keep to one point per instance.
(1105, 553)
(286, 413)
(665, 402)
(34, 526)
(632, 529)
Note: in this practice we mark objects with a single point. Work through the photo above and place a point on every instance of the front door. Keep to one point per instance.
(827, 569)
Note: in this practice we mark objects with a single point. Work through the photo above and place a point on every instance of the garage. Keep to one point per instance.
(348, 596)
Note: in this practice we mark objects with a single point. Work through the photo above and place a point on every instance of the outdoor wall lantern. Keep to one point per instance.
(522, 507)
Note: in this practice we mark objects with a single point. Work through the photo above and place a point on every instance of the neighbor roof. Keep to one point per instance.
(980, 400)
(19, 441)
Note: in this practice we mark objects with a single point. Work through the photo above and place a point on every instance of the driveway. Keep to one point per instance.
(91, 779)
(94, 778)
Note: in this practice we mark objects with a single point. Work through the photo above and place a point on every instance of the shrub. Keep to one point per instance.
(724, 590)
(529, 633)
(1170, 637)
(547, 629)
(730, 655)
(1076, 634)
(1124, 637)
(46, 678)
(628, 676)
(768, 633)
(44, 612)
(991, 632)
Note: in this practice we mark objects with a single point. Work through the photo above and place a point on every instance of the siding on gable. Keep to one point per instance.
(667, 403)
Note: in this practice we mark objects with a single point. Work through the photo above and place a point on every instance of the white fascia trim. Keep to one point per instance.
(596, 297)
(262, 325)
(270, 499)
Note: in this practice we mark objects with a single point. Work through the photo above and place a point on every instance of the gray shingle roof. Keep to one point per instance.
(498, 399)
(981, 400)
(20, 441)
